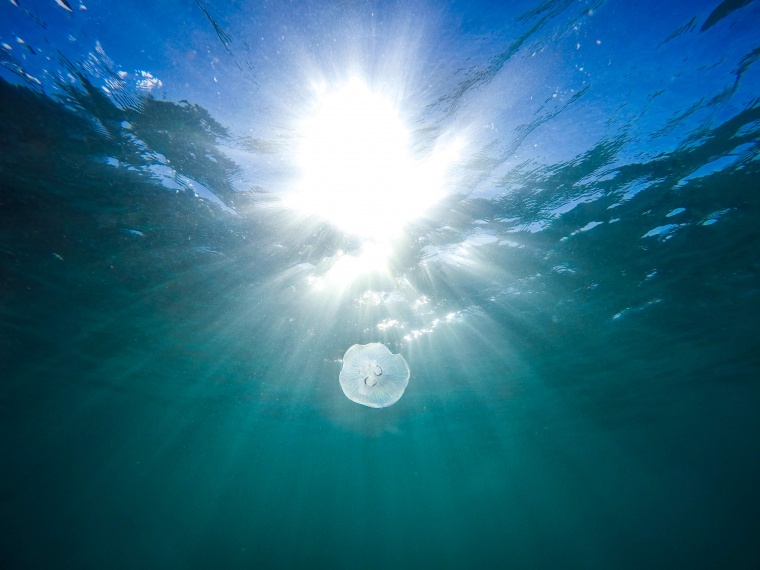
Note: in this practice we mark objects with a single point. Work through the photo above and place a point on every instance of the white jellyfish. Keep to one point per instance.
(373, 376)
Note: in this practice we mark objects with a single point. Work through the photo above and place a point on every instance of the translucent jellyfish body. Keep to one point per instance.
(373, 376)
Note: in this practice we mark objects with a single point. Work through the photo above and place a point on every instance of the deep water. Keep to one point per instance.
(579, 312)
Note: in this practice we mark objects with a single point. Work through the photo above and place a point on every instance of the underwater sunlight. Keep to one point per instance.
(475, 281)
(357, 167)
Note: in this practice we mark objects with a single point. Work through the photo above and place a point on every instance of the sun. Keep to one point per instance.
(356, 166)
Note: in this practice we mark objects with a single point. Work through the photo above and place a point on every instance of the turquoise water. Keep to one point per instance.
(578, 312)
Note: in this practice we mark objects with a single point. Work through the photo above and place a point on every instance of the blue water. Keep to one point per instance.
(579, 309)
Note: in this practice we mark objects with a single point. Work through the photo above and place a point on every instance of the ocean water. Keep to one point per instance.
(578, 305)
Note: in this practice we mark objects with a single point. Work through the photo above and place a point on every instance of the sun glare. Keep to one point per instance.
(356, 168)
(371, 259)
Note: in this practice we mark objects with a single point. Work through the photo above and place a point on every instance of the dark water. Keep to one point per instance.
(580, 312)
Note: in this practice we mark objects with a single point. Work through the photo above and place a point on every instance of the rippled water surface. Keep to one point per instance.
(577, 295)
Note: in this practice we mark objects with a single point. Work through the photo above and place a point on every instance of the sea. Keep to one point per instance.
(549, 208)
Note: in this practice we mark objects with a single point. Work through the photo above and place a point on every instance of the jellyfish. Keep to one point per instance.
(373, 376)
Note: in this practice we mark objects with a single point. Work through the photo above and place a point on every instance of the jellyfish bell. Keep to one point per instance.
(373, 376)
